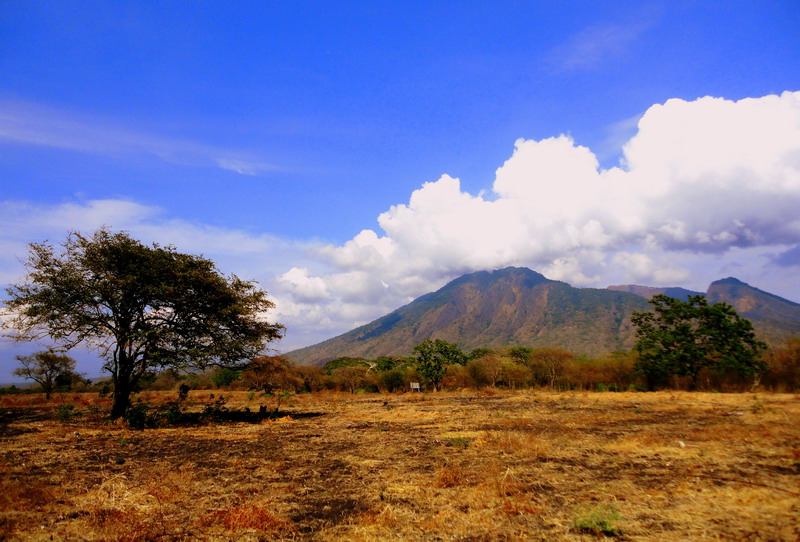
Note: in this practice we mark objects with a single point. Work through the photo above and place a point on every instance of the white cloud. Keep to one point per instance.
(709, 188)
(704, 184)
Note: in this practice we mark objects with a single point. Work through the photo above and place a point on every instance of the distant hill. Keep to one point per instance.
(649, 291)
(507, 307)
(774, 318)
(517, 306)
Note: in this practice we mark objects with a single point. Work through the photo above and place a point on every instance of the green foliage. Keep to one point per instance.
(66, 413)
(143, 307)
(521, 354)
(684, 338)
(224, 377)
(478, 353)
(215, 411)
(334, 364)
(393, 380)
(136, 416)
(433, 357)
(459, 442)
(599, 520)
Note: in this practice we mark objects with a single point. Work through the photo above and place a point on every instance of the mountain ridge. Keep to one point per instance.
(518, 306)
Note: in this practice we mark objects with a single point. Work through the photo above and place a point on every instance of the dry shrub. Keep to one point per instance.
(509, 484)
(23, 496)
(519, 505)
(517, 442)
(449, 476)
(247, 516)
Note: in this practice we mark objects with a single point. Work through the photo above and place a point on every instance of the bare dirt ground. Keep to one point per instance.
(472, 465)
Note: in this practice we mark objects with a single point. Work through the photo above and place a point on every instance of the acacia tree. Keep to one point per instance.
(271, 374)
(142, 307)
(684, 338)
(433, 357)
(48, 369)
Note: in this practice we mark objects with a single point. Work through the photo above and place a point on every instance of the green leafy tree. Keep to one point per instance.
(142, 307)
(684, 338)
(433, 357)
(521, 354)
(223, 377)
(49, 369)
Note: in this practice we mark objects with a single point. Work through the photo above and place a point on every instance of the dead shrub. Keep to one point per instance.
(247, 516)
(449, 476)
(17, 496)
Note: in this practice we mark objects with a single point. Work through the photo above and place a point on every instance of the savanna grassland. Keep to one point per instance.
(477, 465)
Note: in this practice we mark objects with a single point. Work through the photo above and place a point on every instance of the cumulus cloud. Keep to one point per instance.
(705, 189)
(701, 183)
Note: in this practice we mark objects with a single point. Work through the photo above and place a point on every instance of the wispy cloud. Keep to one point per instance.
(28, 123)
(592, 47)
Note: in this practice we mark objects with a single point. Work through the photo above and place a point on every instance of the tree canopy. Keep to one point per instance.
(433, 357)
(47, 368)
(683, 338)
(142, 307)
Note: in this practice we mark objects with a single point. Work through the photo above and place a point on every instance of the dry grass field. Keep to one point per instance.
(527, 465)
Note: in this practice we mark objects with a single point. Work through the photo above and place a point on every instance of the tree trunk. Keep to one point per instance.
(122, 399)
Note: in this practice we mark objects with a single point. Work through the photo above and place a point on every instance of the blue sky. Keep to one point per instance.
(352, 156)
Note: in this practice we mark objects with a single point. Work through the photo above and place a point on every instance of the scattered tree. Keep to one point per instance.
(433, 357)
(492, 366)
(784, 366)
(49, 369)
(143, 307)
(223, 377)
(273, 374)
(684, 338)
(351, 377)
(548, 364)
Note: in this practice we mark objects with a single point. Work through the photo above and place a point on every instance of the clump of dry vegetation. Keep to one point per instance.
(491, 465)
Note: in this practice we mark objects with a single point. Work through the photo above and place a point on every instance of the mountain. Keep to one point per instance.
(649, 291)
(774, 318)
(507, 307)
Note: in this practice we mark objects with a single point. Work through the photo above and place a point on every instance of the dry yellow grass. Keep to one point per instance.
(525, 465)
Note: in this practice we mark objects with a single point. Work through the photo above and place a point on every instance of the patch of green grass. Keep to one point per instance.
(598, 520)
(459, 442)
(66, 413)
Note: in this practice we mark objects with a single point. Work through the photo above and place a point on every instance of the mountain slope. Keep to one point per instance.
(649, 291)
(774, 318)
(512, 306)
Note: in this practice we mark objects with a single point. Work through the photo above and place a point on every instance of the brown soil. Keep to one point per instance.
(450, 466)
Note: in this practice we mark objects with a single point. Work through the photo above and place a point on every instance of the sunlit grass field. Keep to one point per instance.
(488, 465)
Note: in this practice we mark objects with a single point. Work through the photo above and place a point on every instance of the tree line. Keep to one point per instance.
(154, 314)
(506, 368)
